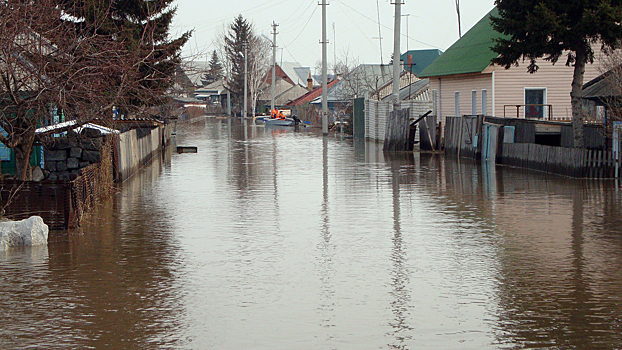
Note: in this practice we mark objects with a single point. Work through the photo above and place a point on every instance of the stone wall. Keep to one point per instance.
(65, 156)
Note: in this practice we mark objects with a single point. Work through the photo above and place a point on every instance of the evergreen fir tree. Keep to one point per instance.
(240, 34)
(215, 70)
(548, 29)
(144, 28)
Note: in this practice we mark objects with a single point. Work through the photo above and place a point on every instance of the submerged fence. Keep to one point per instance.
(61, 204)
(474, 137)
(574, 162)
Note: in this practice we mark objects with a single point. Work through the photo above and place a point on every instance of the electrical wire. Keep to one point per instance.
(361, 30)
(216, 21)
(374, 21)
(303, 28)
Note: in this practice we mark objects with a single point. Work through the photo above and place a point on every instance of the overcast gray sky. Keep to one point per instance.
(431, 24)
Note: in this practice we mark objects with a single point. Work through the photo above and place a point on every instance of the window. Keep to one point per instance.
(473, 102)
(484, 102)
(535, 99)
(457, 103)
(435, 102)
(5, 152)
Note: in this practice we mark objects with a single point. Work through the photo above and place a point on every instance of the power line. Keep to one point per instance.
(373, 20)
(359, 28)
(303, 12)
(263, 6)
(303, 28)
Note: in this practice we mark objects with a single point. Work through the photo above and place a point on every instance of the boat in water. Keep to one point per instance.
(279, 122)
(293, 121)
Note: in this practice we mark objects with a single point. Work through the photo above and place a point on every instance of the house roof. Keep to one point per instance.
(280, 86)
(363, 79)
(470, 54)
(195, 70)
(421, 59)
(289, 95)
(74, 125)
(311, 95)
(296, 73)
(603, 87)
(412, 90)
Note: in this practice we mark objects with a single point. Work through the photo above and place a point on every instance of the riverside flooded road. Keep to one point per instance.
(274, 239)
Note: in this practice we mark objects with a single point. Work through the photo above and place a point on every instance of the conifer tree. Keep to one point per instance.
(240, 34)
(143, 26)
(215, 70)
(549, 29)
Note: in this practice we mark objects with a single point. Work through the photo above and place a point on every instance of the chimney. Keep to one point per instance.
(309, 82)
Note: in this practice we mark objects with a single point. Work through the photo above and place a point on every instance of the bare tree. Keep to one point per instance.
(231, 42)
(261, 62)
(359, 80)
(45, 64)
(609, 94)
(51, 59)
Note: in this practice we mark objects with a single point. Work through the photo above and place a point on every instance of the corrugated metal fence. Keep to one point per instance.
(376, 113)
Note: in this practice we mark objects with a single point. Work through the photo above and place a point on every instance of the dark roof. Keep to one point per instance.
(603, 86)
(470, 54)
(421, 59)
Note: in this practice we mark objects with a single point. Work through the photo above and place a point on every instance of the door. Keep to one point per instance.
(535, 98)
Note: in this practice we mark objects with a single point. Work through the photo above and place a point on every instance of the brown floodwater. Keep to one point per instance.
(275, 239)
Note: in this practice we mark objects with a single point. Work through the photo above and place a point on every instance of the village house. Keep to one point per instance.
(463, 81)
(294, 74)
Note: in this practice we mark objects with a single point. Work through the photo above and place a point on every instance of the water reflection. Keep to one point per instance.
(554, 243)
(400, 275)
(327, 251)
(272, 238)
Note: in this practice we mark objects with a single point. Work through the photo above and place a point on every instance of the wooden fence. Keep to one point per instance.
(467, 137)
(61, 204)
(461, 136)
(580, 163)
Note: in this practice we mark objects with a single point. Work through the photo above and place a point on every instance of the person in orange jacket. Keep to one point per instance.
(281, 115)
(274, 113)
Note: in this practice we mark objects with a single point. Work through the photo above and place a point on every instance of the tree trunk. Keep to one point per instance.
(23, 152)
(576, 97)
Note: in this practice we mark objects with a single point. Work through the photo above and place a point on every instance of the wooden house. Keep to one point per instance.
(463, 81)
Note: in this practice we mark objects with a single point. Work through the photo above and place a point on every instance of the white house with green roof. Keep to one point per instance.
(463, 81)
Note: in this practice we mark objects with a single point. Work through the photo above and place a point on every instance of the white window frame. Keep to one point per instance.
(457, 103)
(484, 102)
(473, 102)
(545, 111)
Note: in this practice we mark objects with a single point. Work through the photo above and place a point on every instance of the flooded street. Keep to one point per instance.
(274, 239)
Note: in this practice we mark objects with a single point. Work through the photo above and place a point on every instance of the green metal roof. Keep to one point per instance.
(421, 59)
(470, 54)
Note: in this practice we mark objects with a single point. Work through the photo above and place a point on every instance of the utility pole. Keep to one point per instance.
(379, 33)
(274, 33)
(228, 96)
(324, 73)
(459, 20)
(245, 79)
(334, 50)
(396, 52)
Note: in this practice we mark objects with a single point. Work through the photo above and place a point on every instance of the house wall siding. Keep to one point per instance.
(510, 87)
(447, 86)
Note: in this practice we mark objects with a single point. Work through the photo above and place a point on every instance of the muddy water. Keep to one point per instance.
(272, 239)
